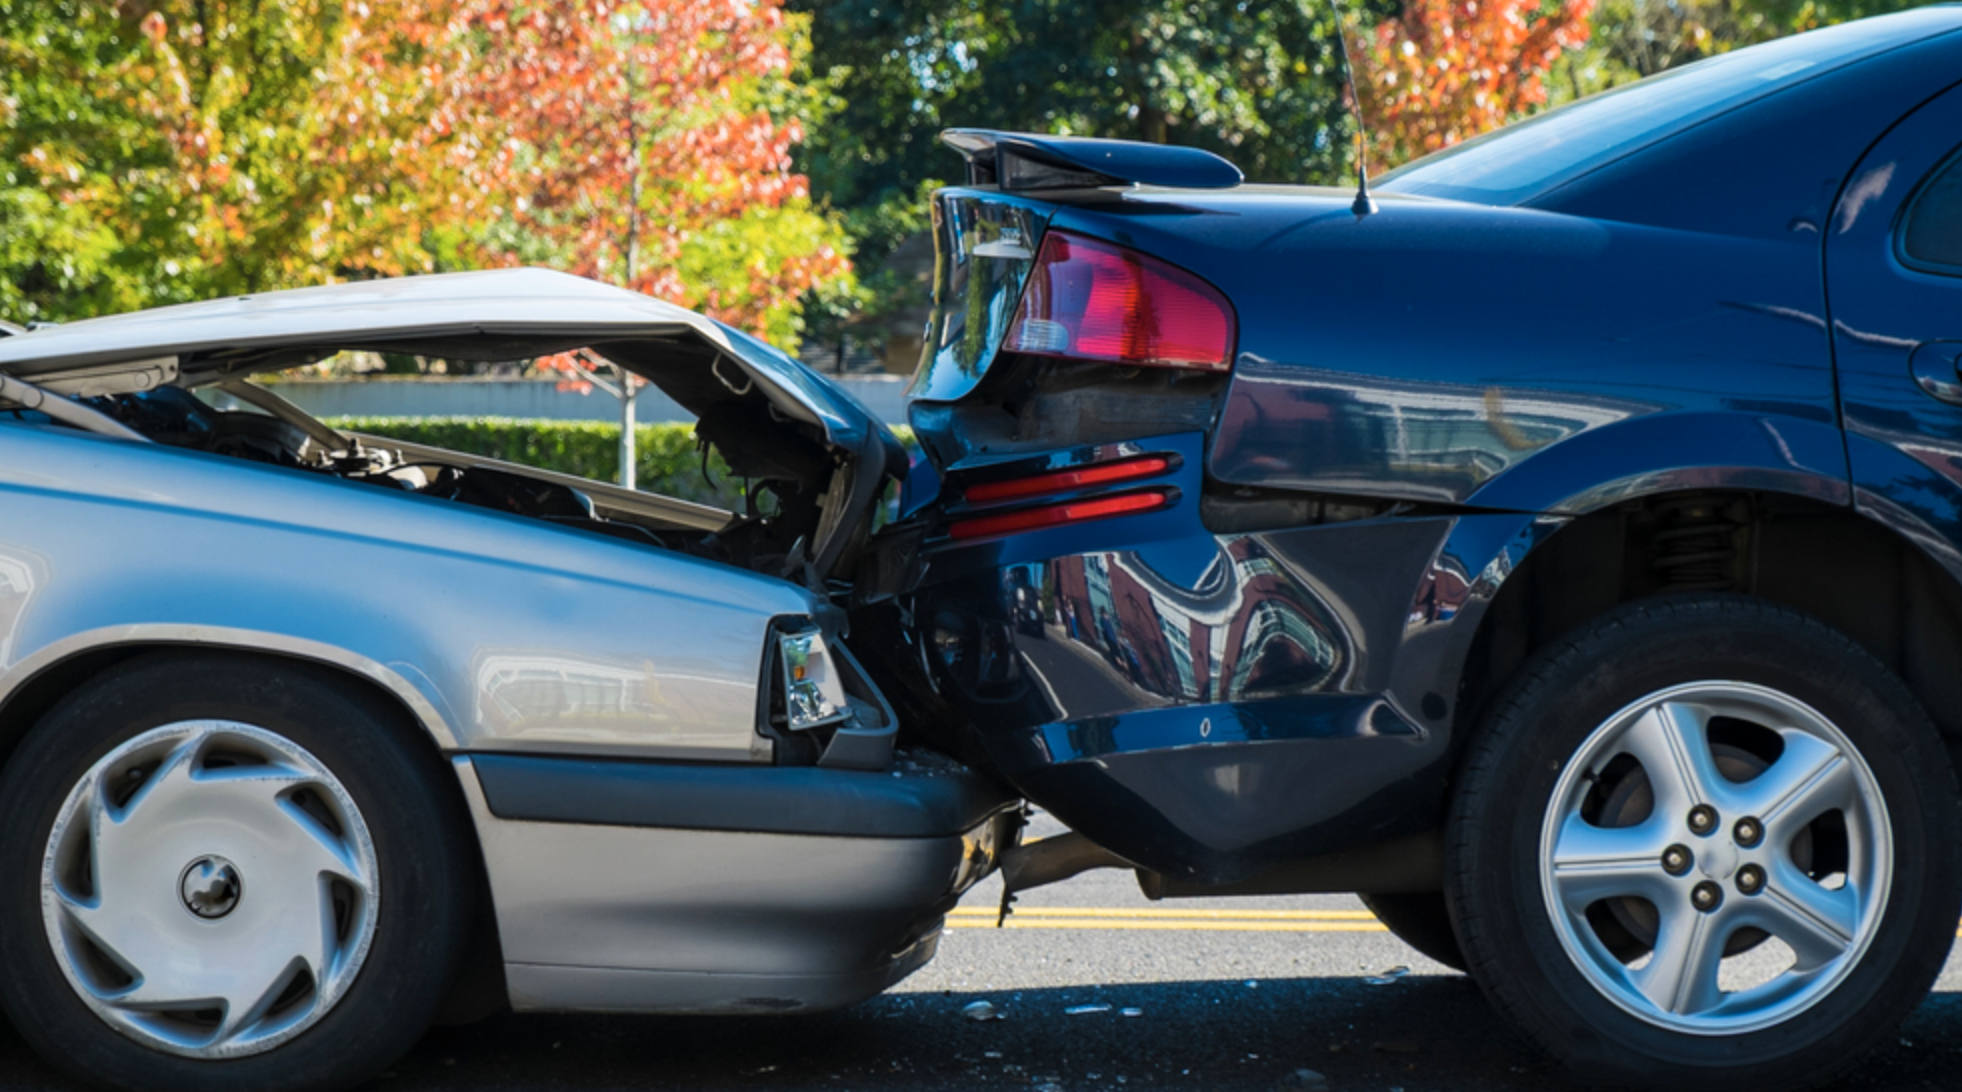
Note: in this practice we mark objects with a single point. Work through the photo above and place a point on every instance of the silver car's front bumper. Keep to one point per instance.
(662, 887)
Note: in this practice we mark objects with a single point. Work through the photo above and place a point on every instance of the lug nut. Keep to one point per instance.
(1676, 860)
(1749, 832)
(1706, 896)
(1750, 879)
(1703, 819)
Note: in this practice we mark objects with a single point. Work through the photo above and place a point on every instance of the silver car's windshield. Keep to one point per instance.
(1520, 161)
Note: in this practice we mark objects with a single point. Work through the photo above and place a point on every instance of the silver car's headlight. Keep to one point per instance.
(814, 695)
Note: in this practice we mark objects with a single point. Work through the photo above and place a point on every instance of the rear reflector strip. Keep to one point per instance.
(1062, 481)
(1055, 515)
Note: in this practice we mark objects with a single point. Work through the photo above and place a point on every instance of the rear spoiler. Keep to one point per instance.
(1030, 161)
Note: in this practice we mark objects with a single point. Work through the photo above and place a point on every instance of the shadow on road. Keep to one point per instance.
(1416, 1034)
(1420, 1033)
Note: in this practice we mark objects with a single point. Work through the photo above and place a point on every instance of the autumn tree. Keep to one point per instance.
(641, 142)
(645, 143)
(1445, 70)
(160, 150)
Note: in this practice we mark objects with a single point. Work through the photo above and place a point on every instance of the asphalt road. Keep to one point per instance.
(1236, 998)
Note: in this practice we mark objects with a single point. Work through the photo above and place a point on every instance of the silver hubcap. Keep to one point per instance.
(209, 889)
(1716, 858)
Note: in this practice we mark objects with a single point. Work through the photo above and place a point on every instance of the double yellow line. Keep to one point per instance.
(1220, 921)
(1216, 921)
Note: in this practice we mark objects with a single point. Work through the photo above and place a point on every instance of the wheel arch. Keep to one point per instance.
(39, 681)
(1863, 577)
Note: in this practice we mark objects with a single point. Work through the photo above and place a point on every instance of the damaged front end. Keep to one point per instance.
(814, 461)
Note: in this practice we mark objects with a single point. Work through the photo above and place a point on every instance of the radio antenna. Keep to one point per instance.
(1364, 203)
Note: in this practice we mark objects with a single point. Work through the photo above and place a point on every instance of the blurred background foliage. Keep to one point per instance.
(766, 161)
(156, 151)
(1256, 81)
(1631, 39)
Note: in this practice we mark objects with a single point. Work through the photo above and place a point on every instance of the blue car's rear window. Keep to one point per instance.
(1521, 161)
(1931, 239)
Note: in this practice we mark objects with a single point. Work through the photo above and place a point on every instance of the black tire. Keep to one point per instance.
(1518, 758)
(404, 795)
(1421, 920)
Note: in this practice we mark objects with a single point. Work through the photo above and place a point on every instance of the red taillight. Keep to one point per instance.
(1062, 481)
(1052, 515)
(1091, 300)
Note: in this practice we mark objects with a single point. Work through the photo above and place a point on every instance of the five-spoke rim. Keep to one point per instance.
(1701, 822)
(210, 889)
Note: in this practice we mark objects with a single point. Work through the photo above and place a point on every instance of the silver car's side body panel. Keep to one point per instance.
(497, 632)
(653, 919)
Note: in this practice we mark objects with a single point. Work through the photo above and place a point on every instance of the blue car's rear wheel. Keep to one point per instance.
(1707, 843)
(226, 873)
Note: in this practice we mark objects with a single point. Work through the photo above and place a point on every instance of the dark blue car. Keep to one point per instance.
(1563, 554)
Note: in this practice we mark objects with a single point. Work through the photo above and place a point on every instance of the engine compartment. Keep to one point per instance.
(788, 475)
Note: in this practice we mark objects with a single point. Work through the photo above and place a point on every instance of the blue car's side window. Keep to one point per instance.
(1930, 237)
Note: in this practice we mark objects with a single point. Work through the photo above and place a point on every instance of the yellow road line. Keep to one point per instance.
(1195, 920)
(1193, 914)
(1191, 920)
(1017, 921)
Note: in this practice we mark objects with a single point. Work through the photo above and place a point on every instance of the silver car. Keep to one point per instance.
(309, 736)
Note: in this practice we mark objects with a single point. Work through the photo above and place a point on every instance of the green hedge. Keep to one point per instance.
(666, 460)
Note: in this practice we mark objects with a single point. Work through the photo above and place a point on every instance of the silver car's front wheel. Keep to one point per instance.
(210, 889)
(228, 873)
(1716, 857)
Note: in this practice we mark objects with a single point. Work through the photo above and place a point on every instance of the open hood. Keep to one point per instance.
(501, 314)
(754, 402)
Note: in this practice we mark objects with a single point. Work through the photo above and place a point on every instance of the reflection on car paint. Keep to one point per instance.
(21, 573)
(1443, 440)
(545, 695)
(1244, 629)
(1903, 437)
(987, 243)
(1169, 699)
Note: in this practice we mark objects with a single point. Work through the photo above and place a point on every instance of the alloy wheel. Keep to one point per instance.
(1716, 857)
